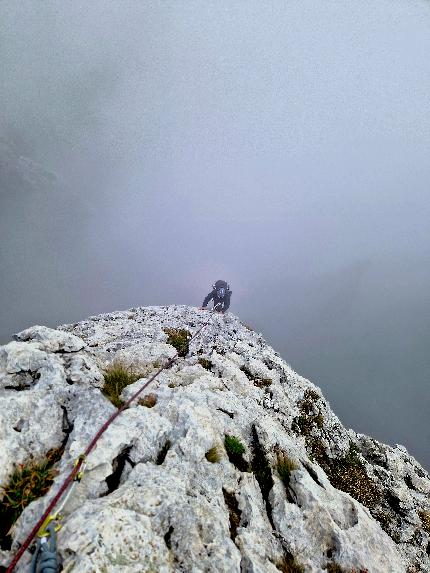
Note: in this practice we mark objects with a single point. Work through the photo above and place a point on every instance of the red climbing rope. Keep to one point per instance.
(75, 473)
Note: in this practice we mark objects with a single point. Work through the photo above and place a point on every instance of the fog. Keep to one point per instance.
(148, 149)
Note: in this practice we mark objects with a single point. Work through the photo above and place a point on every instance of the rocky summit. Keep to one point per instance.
(229, 461)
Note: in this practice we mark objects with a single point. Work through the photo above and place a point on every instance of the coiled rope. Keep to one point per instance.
(42, 527)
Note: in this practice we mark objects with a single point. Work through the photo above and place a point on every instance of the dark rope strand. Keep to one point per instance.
(75, 471)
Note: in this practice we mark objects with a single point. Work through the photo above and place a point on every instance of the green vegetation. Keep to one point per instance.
(28, 482)
(149, 400)
(235, 450)
(306, 422)
(386, 518)
(117, 376)
(207, 364)
(213, 455)
(316, 451)
(233, 445)
(310, 416)
(284, 466)
(348, 474)
(179, 338)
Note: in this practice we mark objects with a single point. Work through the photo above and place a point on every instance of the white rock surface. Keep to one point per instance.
(151, 501)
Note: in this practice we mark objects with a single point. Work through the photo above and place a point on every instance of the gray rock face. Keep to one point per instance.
(161, 492)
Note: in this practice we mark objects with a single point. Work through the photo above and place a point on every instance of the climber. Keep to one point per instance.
(220, 294)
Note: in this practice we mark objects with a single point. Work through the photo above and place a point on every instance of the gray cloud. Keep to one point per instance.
(149, 148)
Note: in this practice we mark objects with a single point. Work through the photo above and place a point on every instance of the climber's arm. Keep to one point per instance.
(227, 301)
(207, 299)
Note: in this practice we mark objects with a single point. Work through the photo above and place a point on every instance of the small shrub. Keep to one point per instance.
(348, 473)
(179, 338)
(305, 424)
(213, 455)
(316, 451)
(28, 482)
(205, 363)
(148, 401)
(425, 519)
(284, 466)
(310, 416)
(386, 520)
(117, 376)
(311, 394)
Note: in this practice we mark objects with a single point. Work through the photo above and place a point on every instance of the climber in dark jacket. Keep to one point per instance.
(220, 294)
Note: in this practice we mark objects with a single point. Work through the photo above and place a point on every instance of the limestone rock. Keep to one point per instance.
(51, 340)
(161, 492)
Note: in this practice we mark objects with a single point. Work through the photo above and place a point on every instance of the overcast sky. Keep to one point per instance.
(148, 149)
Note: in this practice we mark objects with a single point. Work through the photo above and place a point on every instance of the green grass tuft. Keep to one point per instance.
(179, 338)
(233, 445)
(27, 483)
(235, 450)
(205, 363)
(213, 455)
(117, 376)
(284, 466)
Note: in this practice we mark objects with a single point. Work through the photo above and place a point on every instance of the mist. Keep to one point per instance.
(148, 149)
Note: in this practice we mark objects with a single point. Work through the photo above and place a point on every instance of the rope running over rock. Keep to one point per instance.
(76, 472)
